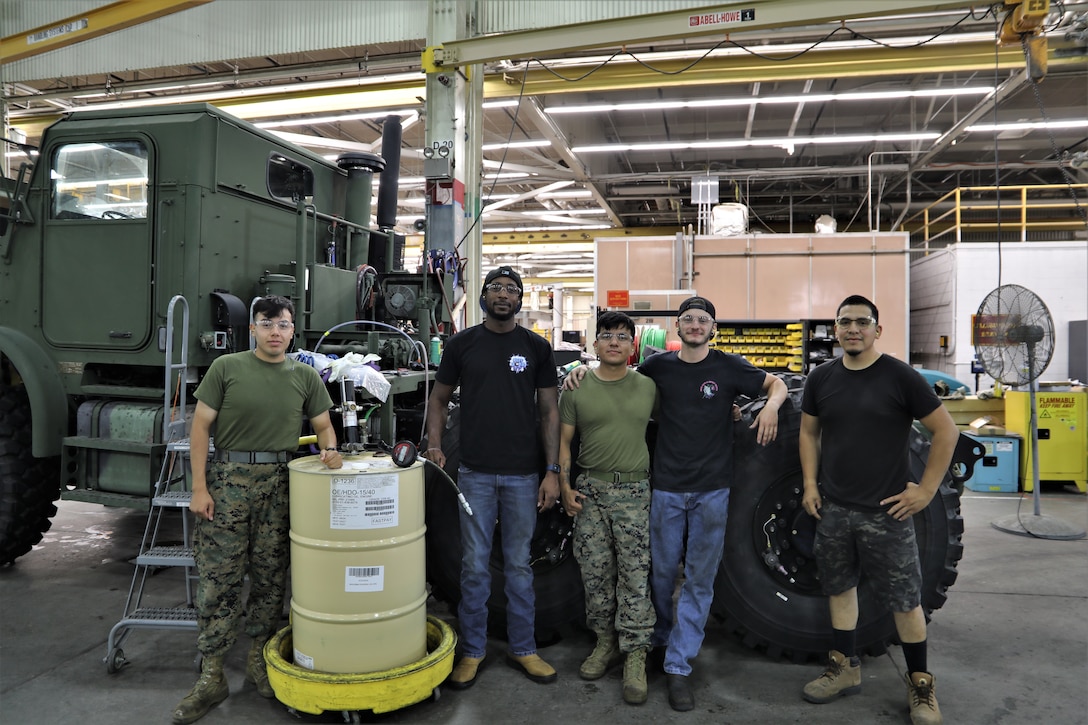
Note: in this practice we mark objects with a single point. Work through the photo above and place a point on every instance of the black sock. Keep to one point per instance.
(915, 655)
(845, 641)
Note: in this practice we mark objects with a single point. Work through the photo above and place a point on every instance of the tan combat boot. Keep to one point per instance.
(257, 670)
(210, 690)
(842, 677)
(604, 657)
(634, 678)
(923, 699)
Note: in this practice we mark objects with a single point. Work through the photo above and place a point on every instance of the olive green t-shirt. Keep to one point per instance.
(611, 418)
(261, 404)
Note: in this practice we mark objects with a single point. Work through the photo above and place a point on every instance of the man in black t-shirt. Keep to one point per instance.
(507, 376)
(857, 412)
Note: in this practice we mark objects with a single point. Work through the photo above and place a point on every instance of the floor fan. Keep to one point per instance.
(1014, 340)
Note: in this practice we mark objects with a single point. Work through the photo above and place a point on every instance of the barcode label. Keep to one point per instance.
(359, 571)
(364, 578)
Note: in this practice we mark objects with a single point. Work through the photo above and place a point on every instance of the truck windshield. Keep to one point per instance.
(103, 180)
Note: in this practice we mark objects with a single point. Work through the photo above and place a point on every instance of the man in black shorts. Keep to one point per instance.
(856, 416)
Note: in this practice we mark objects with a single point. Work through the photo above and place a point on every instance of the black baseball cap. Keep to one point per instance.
(503, 272)
(697, 303)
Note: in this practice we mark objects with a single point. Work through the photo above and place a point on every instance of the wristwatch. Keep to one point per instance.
(553, 468)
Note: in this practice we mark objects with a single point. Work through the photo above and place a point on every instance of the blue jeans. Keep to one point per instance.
(512, 500)
(697, 519)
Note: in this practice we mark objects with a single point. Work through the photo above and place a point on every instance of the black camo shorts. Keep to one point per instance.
(851, 543)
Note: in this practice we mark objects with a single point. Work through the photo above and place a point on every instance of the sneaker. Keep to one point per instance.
(842, 677)
(464, 674)
(604, 657)
(533, 667)
(680, 697)
(923, 699)
(634, 678)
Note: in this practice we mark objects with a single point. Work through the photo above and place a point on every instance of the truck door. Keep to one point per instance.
(98, 245)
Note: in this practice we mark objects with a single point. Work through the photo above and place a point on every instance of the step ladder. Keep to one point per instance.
(169, 499)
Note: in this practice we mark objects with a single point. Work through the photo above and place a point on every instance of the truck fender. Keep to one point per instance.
(48, 404)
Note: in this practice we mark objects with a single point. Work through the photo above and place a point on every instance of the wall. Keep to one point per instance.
(961, 276)
(764, 276)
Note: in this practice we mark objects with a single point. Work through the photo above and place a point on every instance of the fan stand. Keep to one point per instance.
(1038, 525)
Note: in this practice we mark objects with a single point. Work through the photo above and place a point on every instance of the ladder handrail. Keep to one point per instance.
(170, 427)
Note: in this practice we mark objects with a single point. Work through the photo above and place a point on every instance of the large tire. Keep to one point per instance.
(28, 485)
(767, 591)
(557, 581)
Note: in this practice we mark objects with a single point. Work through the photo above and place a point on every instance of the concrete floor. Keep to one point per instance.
(1010, 646)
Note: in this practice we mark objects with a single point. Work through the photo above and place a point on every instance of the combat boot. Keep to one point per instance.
(604, 657)
(842, 677)
(210, 690)
(257, 670)
(634, 678)
(922, 698)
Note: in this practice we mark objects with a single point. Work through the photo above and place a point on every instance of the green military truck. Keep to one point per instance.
(130, 252)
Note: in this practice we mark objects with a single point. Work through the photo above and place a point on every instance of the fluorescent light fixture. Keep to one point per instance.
(754, 143)
(1027, 125)
(569, 194)
(547, 228)
(517, 145)
(499, 104)
(577, 212)
(406, 112)
(506, 175)
(771, 100)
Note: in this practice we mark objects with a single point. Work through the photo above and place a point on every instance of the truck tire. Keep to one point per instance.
(767, 591)
(557, 582)
(28, 485)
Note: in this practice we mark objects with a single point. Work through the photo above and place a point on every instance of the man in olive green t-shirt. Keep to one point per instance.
(257, 400)
(611, 503)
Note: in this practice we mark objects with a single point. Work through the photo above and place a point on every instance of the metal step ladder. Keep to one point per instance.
(171, 497)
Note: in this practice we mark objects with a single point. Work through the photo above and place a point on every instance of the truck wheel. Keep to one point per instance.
(557, 581)
(767, 591)
(28, 485)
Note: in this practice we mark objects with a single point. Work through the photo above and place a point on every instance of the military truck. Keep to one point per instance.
(130, 252)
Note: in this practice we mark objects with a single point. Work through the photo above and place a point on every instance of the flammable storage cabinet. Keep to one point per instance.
(1063, 435)
(999, 469)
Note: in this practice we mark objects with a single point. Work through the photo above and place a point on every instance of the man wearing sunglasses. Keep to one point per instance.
(611, 503)
(856, 416)
(507, 377)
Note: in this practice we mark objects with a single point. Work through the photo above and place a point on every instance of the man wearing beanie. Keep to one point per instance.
(507, 377)
(690, 480)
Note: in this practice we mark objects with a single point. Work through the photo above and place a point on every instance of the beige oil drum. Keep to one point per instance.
(358, 579)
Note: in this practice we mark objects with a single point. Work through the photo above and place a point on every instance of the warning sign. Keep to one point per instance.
(619, 298)
(991, 329)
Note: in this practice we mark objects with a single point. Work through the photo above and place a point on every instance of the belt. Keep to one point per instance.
(251, 456)
(619, 476)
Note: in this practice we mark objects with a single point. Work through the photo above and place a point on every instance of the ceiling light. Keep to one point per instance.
(754, 143)
(569, 194)
(548, 228)
(407, 113)
(499, 104)
(1027, 125)
(771, 100)
(516, 145)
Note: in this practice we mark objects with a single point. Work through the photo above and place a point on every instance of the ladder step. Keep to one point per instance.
(164, 615)
(173, 499)
(167, 556)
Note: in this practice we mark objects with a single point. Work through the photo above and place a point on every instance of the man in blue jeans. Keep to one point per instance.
(692, 473)
(507, 377)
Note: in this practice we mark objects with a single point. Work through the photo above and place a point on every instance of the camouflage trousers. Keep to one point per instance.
(248, 534)
(612, 547)
(851, 544)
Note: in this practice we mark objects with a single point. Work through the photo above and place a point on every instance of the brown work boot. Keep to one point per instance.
(634, 678)
(464, 674)
(257, 670)
(534, 668)
(842, 677)
(923, 699)
(210, 690)
(604, 657)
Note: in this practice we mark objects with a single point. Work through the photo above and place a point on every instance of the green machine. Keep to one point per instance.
(130, 254)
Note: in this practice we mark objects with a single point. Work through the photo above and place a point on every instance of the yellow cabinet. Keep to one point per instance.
(1063, 435)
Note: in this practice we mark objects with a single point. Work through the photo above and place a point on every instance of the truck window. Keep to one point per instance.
(288, 179)
(103, 180)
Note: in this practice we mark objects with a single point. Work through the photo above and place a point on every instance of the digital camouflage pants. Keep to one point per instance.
(248, 535)
(612, 547)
